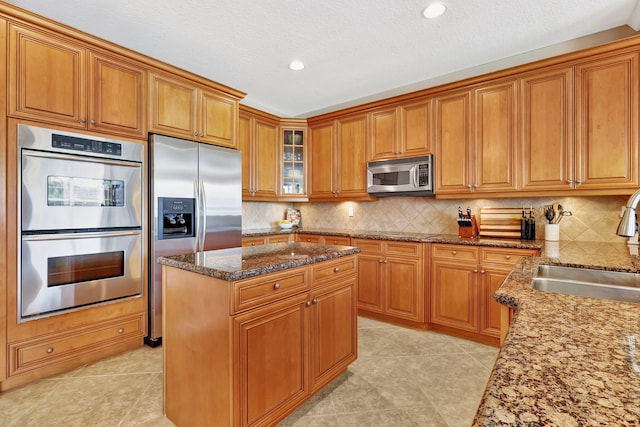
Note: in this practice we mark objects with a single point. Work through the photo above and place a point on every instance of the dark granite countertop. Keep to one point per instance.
(406, 237)
(567, 360)
(241, 263)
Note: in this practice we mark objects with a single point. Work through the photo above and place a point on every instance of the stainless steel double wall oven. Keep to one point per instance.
(81, 214)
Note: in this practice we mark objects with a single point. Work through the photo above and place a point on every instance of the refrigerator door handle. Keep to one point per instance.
(196, 245)
(203, 197)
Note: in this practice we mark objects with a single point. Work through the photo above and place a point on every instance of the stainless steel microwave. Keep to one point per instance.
(401, 177)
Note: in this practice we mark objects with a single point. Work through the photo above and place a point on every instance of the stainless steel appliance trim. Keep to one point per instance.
(79, 157)
(70, 236)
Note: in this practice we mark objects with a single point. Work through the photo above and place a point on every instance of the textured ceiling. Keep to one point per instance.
(353, 50)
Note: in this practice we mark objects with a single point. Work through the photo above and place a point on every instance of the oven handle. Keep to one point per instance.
(50, 155)
(91, 235)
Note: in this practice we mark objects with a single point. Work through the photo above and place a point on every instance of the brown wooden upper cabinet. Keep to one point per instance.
(453, 162)
(546, 130)
(258, 142)
(606, 154)
(589, 144)
(293, 156)
(476, 141)
(401, 131)
(181, 108)
(339, 160)
(58, 80)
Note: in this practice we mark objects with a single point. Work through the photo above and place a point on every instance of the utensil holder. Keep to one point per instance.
(552, 232)
(469, 231)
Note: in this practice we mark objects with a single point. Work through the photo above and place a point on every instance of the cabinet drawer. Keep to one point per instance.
(337, 240)
(37, 353)
(254, 292)
(369, 246)
(459, 252)
(506, 256)
(404, 249)
(280, 238)
(333, 270)
(309, 238)
(253, 241)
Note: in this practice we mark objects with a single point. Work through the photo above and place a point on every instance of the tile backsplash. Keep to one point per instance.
(593, 219)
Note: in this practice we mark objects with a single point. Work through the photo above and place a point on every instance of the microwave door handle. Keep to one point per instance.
(413, 176)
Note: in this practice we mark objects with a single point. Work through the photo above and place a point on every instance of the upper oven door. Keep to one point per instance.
(65, 192)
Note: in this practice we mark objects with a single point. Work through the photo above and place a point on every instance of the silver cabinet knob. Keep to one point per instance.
(50, 350)
(579, 181)
(121, 330)
(507, 257)
(277, 285)
(315, 300)
(454, 252)
(336, 270)
(475, 270)
(83, 120)
(93, 122)
(308, 304)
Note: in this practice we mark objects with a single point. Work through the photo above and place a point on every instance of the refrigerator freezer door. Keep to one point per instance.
(220, 174)
(173, 173)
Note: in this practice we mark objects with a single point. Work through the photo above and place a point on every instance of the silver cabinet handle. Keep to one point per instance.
(507, 257)
(454, 252)
(308, 304)
(336, 270)
(83, 120)
(93, 122)
(121, 330)
(276, 286)
(315, 300)
(50, 350)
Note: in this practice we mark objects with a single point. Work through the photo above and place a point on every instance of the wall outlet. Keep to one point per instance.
(350, 212)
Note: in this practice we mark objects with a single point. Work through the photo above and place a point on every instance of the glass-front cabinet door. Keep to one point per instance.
(294, 154)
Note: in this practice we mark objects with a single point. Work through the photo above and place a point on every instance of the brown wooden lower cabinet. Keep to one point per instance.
(254, 361)
(463, 281)
(391, 280)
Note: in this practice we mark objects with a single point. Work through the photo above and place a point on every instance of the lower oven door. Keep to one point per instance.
(65, 271)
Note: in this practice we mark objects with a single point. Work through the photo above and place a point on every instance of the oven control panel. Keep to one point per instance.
(86, 145)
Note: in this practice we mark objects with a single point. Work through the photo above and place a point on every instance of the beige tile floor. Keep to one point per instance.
(402, 378)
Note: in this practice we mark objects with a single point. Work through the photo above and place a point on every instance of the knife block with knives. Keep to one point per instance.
(467, 225)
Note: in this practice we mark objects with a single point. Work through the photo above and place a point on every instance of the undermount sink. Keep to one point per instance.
(584, 282)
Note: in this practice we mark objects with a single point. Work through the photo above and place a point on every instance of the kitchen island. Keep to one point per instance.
(252, 333)
(567, 360)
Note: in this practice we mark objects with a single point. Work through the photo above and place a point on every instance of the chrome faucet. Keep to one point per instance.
(628, 226)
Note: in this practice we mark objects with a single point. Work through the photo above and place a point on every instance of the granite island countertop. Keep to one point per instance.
(244, 262)
(567, 360)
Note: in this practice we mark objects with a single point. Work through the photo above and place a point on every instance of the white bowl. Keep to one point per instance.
(285, 226)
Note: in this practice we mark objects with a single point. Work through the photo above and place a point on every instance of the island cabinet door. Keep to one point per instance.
(271, 353)
(333, 332)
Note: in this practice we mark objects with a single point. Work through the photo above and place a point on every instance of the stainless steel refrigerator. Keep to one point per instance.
(196, 192)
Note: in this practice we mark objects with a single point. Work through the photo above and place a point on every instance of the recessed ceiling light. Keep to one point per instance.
(296, 65)
(434, 10)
